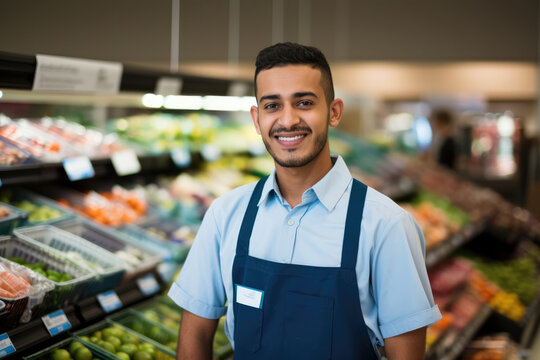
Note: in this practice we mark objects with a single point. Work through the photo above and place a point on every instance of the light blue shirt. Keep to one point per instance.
(395, 294)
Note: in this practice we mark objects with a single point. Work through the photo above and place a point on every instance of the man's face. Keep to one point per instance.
(292, 115)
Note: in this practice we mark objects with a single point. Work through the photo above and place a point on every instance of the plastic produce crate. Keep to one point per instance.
(84, 253)
(64, 292)
(9, 222)
(39, 208)
(164, 311)
(138, 261)
(125, 335)
(46, 354)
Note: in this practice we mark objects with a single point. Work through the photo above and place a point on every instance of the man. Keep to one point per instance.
(313, 265)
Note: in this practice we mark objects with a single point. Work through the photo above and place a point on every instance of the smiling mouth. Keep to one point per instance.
(290, 138)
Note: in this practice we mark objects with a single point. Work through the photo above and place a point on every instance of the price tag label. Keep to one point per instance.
(109, 301)
(181, 157)
(210, 152)
(125, 162)
(6, 346)
(59, 73)
(56, 322)
(78, 168)
(148, 285)
(168, 86)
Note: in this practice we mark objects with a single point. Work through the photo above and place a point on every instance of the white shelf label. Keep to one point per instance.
(59, 73)
(181, 157)
(6, 346)
(109, 301)
(148, 285)
(78, 168)
(56, 322)
(168, 86)
(125, 162)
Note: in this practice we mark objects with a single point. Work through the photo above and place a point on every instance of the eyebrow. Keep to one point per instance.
(295, 95)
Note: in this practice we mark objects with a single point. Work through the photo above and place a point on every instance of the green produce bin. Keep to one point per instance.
(164, 311)
(85, 337)
(46, 354)
(39, 208)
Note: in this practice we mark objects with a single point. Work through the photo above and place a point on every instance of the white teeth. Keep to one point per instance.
(283, 138)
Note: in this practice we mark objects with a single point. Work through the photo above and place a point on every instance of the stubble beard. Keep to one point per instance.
(320, 143)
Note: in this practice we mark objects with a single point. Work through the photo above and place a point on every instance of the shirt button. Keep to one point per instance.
(290, 222)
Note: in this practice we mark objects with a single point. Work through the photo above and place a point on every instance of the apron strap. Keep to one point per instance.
(242, 246)
(353, 223)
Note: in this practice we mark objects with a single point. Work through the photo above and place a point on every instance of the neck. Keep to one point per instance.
(294, 181)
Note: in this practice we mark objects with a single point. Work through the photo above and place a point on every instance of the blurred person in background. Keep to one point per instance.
(444, 146)
(312, 263)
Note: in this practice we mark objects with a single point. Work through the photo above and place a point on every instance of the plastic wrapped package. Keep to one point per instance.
(22, 290)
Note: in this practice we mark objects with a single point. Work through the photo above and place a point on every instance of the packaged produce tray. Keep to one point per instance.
(11, 155)
(93, 258)
(41, 210)
(65, 291)
(123, 337)
(162, 310)
(137, 260)
(15, 217)
(22, 292)
(53, 351)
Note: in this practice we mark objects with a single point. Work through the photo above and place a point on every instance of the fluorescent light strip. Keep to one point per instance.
(183, 102)
(210, 103)
(1, 94)
(152, 100)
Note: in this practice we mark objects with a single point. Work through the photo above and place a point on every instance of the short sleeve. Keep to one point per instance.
(400, 283)
(199, 288)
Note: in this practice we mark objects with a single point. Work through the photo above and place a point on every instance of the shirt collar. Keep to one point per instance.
(329, 189)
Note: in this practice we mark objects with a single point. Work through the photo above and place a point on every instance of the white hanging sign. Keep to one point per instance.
(125, 162)
(58, 73)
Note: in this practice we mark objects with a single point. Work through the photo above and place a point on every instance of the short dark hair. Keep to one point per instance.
(287, 53)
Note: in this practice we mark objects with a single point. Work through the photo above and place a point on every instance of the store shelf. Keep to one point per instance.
(17, 72)
(439, 252)
(30, 337)
(50, 172)
(452, 344)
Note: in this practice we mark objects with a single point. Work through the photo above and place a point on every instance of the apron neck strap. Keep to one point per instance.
(353, 223)
(242, 246)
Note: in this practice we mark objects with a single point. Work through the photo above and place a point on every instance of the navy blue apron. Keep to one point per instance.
(296, 311)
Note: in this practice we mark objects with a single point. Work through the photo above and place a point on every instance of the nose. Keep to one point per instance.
(289, 117)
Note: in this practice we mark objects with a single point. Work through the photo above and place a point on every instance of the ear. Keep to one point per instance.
(254, 111)
(336, 112)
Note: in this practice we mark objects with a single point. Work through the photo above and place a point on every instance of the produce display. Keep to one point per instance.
(41, 268)
(498, 347)
(114, 208)
(126, 345)
(437, 217)
(169, 315)
(38, 213)
(68, 349)
(158, 133)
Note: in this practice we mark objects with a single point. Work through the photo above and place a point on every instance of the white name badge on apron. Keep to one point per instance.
(248, 296)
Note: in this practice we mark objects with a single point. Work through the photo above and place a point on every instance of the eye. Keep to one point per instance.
(304, 103)
(271, 106)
